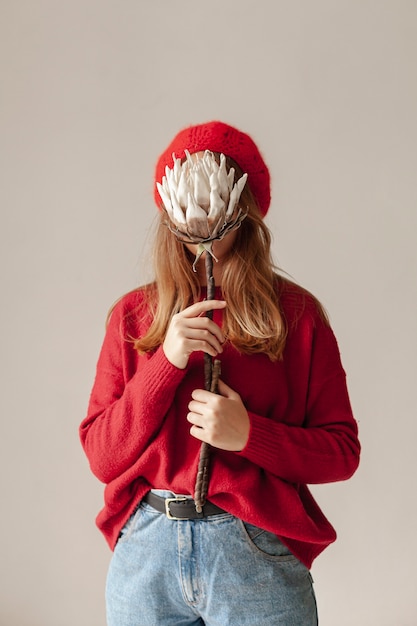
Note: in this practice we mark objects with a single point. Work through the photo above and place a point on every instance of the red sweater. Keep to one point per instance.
(136, 435)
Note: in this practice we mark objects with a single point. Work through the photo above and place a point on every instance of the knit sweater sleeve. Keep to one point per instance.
(128, 403)
(322, 445)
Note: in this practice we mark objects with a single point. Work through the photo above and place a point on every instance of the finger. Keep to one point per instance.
(201, 396)
(195, 418)
(206, 333)
(196, 407)
(225, 390)
(201, 328)
(198, 308)
(198, 433)
(210, 346)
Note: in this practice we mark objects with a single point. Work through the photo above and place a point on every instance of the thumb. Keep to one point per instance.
(225, 390)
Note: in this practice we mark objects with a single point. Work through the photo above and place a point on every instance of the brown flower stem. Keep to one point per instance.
(210, 281)
(211, 377)
(208, 362)
(202, 480)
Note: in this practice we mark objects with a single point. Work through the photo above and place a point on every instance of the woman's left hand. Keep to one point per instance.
(219, 419)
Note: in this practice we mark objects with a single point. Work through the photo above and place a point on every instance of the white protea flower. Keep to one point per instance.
(201, 199)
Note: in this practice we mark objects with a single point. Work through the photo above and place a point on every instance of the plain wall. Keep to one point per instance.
(91, 93)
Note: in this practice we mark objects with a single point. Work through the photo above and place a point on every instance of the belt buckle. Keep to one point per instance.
(168, 502)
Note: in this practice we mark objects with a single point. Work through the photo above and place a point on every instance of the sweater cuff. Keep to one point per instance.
(161, 373)
(262, 447)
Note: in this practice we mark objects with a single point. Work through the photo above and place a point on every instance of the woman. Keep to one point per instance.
(280, 417)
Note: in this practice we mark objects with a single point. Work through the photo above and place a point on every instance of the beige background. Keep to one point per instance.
(92, 90)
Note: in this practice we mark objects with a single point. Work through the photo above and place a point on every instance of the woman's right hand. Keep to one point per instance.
(191, 331)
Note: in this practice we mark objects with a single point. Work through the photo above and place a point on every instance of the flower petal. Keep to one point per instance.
(177, 169)
(231, 178)
(178, 212)
(235, 195)
(183, 189)
(222, 177)
(196, 219)
(189, 160)
(202, 188)
(165, 198)
(215, 227)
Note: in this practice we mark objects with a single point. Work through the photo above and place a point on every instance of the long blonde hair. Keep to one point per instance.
(252, 320)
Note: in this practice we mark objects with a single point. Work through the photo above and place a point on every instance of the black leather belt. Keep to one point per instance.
(180, 508)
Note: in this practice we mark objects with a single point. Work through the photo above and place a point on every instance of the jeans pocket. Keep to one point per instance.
(267, 544)
(130, 525)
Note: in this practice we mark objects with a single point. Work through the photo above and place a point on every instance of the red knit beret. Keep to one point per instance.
(220, 137)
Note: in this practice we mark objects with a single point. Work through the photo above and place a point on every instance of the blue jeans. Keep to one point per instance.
(216, 571)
